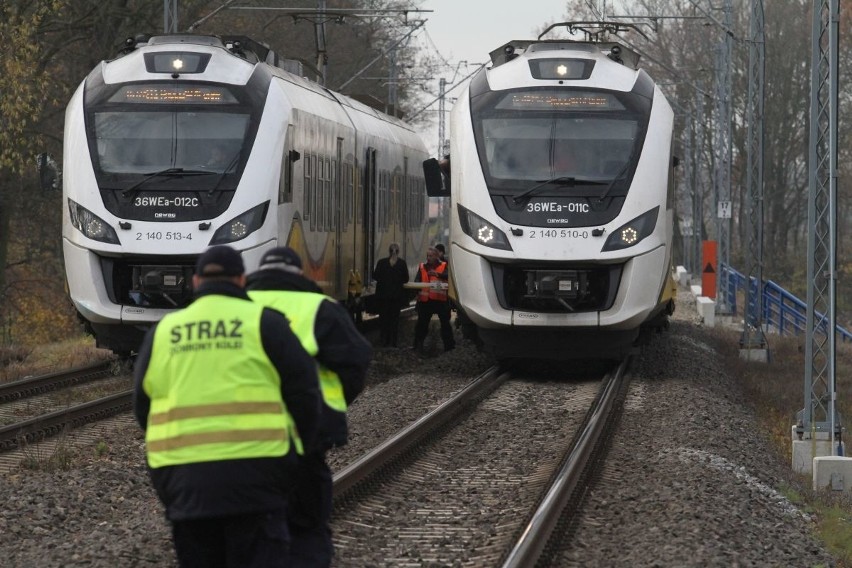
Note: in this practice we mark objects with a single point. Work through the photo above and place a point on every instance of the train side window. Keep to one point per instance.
(349, 189)
(387, 200)
(333, 201)
(316, 217)
(392, 201)
(306, 189)
(380, 208)
(320, 193)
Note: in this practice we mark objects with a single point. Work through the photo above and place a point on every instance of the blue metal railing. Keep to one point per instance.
(782, 311)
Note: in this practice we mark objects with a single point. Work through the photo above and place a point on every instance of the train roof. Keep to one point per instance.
(240, 46)
(512, 49)
(254, 52)
(594, 43)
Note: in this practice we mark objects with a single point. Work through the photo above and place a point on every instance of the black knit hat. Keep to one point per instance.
(220, 261)
(281, 257)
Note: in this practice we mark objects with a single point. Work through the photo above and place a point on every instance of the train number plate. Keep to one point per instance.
(558, 234)
(163, 236)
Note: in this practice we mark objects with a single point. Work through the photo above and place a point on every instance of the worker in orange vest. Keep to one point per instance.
(433, 300)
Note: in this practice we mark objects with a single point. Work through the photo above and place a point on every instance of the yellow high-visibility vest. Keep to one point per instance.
(301, 309)
(215, 395)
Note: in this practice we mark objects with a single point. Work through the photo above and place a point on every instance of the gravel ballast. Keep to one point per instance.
(696, 481)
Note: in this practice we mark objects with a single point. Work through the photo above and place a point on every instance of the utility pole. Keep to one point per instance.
(442, 119)
(390, 107)
(319, 31)
(818, 421)
(698, 195)
(753, 342)
(170, 19)
(722, 146)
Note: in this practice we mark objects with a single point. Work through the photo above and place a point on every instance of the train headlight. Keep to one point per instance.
(633, 232)
(240, 226)
(91, 225)
(482, 231)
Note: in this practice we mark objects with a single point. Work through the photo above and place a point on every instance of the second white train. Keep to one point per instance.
(562, 201)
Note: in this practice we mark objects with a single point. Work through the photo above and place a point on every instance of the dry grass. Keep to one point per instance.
(776, 392)
(17, 362)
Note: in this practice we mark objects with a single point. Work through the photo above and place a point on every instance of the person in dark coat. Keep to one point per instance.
(390, 274)
(226, 396)
(328, 333)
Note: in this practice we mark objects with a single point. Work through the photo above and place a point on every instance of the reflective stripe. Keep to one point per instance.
(215, 394)
(187, 440)
(205, 410)
(435, 294)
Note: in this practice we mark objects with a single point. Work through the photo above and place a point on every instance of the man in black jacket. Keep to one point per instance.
(327, 332)
(227, 396)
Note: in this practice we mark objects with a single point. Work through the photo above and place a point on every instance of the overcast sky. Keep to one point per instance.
(467, 30)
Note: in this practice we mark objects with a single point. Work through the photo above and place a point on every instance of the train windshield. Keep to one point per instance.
(150, 141)
(579, 140)
(136, 130)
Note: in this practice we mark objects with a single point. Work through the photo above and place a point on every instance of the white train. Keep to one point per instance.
(187, 141)
(562, 191)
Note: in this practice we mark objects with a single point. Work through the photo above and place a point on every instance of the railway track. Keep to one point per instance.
(38, 408)
(475, 498)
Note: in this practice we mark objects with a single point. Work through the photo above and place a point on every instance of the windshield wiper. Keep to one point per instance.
(562, 180)
(230, 166)
(615, 179)
(167, 172)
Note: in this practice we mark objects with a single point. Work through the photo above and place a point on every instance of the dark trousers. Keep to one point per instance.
(246, 541)
(309, 513)
(389, 322)
(425, 311)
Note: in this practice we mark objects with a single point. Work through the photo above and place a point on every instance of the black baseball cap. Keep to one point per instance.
(220, 261)
(283, 257)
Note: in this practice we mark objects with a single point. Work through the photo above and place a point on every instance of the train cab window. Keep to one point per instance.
(528, 136)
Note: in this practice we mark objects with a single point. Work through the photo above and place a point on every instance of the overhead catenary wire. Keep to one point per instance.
(436, 99)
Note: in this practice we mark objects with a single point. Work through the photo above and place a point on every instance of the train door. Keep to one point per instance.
(369, 215)
(405, 225)
(337, 218)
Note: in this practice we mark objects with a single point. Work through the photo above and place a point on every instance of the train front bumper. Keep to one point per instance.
(636, 297)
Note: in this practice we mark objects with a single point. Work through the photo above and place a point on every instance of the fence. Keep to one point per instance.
(782, 311)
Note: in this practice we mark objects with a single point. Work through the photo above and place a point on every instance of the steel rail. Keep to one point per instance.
(41, 384)
(47, 425)
(364, 467)
(533, 540)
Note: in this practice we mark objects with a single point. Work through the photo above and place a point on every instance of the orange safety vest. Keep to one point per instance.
(432, 293)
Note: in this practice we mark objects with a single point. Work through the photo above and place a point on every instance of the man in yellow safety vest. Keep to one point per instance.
(328, 333)
(227, 397)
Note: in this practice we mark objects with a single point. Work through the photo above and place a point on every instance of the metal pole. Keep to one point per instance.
(752, 336)
(723, 141)
(698, 202)
(170, 19)
(442, 106)
(819, 413)
(319, 31)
